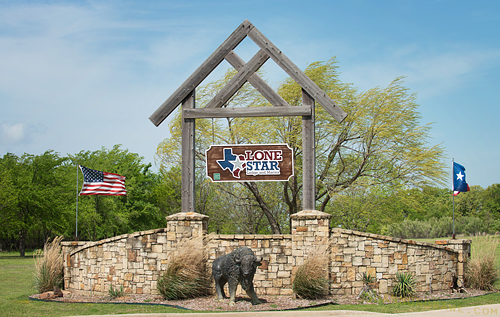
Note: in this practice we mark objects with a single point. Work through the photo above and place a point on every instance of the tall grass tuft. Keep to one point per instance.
(49, 266)
(187, 273)
(481, 271)
(310, 280)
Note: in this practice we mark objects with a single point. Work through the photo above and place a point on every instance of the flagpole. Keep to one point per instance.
(453, 193)
(76, 230)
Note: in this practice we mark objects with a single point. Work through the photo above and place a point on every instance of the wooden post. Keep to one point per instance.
(188, 175)
(308, 155)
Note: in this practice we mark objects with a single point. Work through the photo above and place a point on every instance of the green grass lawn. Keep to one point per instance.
(407, 307)
(16, 284)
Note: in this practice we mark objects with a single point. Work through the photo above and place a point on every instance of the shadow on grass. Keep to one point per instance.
(15, 257)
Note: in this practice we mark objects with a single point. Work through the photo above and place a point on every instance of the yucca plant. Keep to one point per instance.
(367, 292)
(367, 279)
(187, 275)
(49, 266)
(405, 285)
(115, 292)
(310, 280)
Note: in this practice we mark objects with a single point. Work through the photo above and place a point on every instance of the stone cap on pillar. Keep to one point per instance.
(310, 214)
(187, 216)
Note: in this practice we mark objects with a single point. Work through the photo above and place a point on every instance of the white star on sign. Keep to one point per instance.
(460, 176)
(237, 163)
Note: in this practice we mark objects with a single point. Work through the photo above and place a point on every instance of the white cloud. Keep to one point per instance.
(12, 133)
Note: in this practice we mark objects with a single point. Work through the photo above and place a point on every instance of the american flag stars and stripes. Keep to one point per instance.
(102, 183)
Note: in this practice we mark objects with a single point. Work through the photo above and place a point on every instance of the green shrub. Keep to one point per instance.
(310, 280)
(473, 226)
(481, 271)
(404, 285)
(114, 293)
(49, 266)
(436, 227)
(187, 274)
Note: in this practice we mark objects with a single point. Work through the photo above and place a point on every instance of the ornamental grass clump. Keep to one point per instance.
(310, 280)
(49, 266)
(187, 274)
(482, 272)
(404, 285)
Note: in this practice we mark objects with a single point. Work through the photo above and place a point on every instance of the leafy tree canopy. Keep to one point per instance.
(381, 144)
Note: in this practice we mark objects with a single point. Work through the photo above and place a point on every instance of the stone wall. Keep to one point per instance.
(135, 261)
(355, 253)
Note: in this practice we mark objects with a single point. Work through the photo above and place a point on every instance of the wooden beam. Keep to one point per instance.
(308, 156)
(245, 112)
(293, 71)
(201, 73)
(257, 82)
(188, 148)
(238, 80)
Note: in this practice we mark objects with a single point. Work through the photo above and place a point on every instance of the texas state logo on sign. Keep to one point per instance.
(249, 162)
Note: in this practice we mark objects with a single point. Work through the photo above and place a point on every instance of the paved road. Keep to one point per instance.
(486, 310)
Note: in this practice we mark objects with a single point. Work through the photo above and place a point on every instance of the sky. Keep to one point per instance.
(80, 75)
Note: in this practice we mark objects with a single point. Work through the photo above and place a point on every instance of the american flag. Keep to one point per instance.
(102, 183)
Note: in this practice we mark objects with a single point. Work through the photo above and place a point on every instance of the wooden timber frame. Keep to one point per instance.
(185, 95)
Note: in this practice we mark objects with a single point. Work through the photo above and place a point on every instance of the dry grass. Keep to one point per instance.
(482, 271)
(49, 266)
(187, 274)
(311, 279)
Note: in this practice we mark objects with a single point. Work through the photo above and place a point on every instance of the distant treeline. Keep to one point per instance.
(38, 198)
(38, 202)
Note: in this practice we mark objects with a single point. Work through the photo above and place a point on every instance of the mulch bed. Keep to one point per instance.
(269, 303)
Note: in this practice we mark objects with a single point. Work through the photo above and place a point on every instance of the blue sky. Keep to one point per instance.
(78, 75)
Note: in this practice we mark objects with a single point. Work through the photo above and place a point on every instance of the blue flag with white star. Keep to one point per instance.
(459, 183)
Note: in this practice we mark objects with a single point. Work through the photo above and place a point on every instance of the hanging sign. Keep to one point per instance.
(249, 162)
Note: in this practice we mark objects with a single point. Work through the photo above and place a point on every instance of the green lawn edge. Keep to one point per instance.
(416, 306)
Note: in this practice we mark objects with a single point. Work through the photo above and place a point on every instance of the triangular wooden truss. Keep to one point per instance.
(185, 94)
(246, 72)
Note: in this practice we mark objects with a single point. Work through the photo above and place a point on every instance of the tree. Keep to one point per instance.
(470, 203)
(41, 189)
(106, 216)
(38, 197)
(490, 211)
(8, 199)
(167, 192)
(380, 143)
(368, 210)
(492, 199)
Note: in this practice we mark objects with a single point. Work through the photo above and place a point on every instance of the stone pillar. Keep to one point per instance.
(186, 225)
(66, 248)
(462, 247)
(309, 228)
